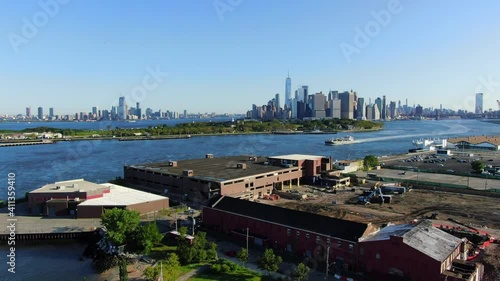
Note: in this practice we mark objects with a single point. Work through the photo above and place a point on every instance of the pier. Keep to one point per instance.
(42, 228)
(21, 143)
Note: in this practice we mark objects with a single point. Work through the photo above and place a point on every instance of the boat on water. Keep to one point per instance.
(342, 140)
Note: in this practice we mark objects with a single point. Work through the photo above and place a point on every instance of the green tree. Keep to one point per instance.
(123, 270)
(242, 255)
(301, 272)
(172, 266)
(269, 261)
(369, 162)
(147, 236)
(152, 273)
(120, 223)
(477, 166)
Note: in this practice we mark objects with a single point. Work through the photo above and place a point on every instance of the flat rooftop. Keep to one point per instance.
(76, 185)
(217, 168)
(121, 196)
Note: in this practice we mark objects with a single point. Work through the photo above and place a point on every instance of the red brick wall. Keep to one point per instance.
(281, 237)
(394, 254)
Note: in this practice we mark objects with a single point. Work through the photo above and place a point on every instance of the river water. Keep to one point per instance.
(100, 161)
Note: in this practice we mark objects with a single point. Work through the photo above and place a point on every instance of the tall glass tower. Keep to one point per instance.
(122, 109)
(288, 91)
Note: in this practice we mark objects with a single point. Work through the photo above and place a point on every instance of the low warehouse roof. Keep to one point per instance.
(122, 196)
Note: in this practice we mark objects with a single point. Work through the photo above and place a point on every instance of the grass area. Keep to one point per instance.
(162, 251)
(241, 274)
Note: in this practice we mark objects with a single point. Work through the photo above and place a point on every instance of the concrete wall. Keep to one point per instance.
(86, 212)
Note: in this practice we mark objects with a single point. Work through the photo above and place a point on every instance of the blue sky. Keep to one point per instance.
(90, 52)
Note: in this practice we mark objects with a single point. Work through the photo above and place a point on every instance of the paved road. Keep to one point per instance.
(472, 182)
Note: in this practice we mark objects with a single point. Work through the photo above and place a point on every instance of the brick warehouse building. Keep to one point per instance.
(251, 177)
(417, 252)
(83, 199)
(290, 230)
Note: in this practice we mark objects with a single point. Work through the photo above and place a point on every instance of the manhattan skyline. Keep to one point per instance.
(207, 57)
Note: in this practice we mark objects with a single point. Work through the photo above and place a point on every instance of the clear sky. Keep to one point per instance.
(225, 55)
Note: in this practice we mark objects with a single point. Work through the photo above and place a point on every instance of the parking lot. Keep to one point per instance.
(457, 163)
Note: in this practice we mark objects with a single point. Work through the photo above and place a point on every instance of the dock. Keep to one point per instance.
(42, 228)
(22, 143)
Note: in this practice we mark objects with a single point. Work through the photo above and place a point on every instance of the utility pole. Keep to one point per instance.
(247, 241)
(327, 264)
(176, 220)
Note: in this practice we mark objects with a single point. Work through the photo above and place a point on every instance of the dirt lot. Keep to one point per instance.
(469, 209)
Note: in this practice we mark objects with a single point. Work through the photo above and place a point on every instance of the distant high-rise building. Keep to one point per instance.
(378, 103)
(114, 113)
(288, 91)
(94, 110)
(122, 109)
(419, 110)
(347, 105)
(305, 93)
(138, 110)
(372, 112)
(51, 112)
(384, 108)
(361, 108)
(277, 102)
(392, 109)
(335, 108)
(479, 103)
(318, 105)
(28, 111)
(40, 112)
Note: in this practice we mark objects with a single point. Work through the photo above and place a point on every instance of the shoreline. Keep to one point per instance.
(167, 137)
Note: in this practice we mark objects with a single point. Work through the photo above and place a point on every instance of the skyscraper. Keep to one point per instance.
(288, 90)
(361, 108)
(122, 109)
(384, 108)
(318, 105)
(378, 102)
(40, 113)
(51, 112)
(28, 111)
(277, 102)
(94, 110)
(138, 111)
(346, 105)
(479, 103)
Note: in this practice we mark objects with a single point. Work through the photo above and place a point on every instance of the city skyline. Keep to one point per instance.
(246, 51)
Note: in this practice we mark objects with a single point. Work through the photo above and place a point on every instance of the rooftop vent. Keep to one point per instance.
(187, 173)
(252, 158)
(209, 156)
(242, 166)
(172, 163)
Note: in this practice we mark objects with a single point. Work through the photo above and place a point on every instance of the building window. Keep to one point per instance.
(288, 232)
(377, 256)
(318, 239)
(307, 235)
(298, 233)
(351, 248)
(339, 244)
(328, 241)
